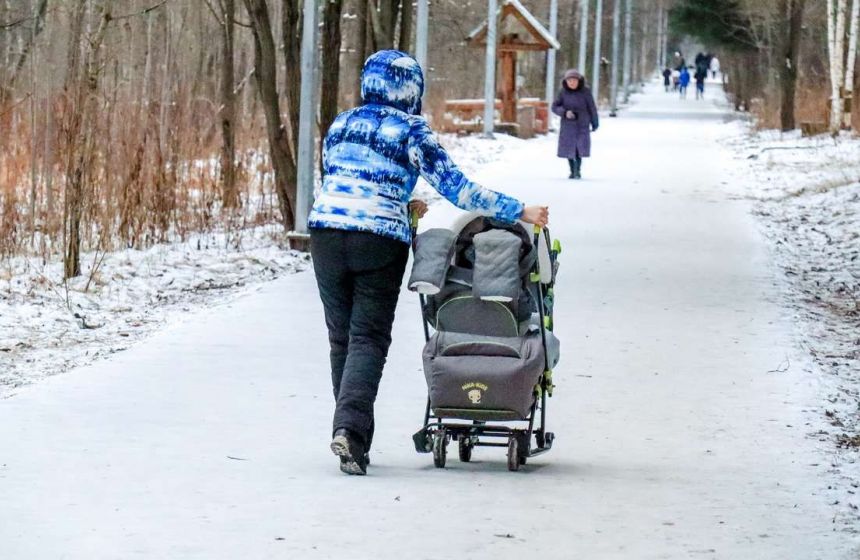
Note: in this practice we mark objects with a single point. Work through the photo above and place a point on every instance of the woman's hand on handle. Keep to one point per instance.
(537, 215)
(418, 207)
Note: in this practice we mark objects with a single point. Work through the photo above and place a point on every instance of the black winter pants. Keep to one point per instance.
(359, 276)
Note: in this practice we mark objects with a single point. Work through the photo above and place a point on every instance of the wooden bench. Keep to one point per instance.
(467, 116)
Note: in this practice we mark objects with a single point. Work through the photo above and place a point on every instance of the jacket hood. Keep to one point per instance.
(574, 74)
(393, 78)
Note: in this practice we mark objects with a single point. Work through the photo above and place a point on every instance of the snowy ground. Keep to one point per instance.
(807, 193)
(681, 424)
(48, 326)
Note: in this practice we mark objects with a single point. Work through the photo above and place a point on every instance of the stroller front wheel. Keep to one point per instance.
(440, 449)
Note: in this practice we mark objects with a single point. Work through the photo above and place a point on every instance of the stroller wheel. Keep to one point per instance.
(513, 454)
(465, 447)
(440, 449)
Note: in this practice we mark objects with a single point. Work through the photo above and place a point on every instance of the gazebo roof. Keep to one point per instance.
(543, 39)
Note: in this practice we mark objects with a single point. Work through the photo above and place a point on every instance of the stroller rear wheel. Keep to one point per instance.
(513, 454)
(440, 449)
(465, 447)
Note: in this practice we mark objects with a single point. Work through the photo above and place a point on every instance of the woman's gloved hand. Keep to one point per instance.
(570, 115)
(537, 215)
(594, 127)
(418, 207)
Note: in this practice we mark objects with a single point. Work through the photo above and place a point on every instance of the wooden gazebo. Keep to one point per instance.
(518, 30)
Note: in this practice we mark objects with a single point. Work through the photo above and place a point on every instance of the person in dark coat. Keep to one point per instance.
(575, 105)
(667, 78)
(701, 75)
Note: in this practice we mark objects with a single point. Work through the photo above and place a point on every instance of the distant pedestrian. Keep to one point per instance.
(667, 78)
(680, 61)
(575, 105)
(683, 82)
(715, 67)
(701, 75)
(676, 79)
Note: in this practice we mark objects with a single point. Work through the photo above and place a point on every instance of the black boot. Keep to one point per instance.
(572, 164)
(353, 457)
(577, 168)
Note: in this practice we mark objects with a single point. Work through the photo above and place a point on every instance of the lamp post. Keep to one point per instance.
(551, 55)
(598, 28)
(583, 35)
(490, 76)
(307, 120)
(421, 35)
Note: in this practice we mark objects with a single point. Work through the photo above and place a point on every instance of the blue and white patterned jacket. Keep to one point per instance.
(373, 154)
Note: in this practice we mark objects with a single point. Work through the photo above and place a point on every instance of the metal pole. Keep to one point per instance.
(583, 35)
(616, 56)
(551, 54)
(307, 117)
(598, 28)
(628, 39)
(664, 47)
(421, 33)
(490, 70)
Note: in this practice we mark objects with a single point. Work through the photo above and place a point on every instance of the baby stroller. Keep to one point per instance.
(486, 290)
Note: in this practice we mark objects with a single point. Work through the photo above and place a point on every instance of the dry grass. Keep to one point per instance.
(811, 105)
(153, 176)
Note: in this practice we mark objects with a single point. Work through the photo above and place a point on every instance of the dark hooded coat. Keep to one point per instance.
(574, 139)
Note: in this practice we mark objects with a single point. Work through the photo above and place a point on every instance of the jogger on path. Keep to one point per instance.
(360, 232)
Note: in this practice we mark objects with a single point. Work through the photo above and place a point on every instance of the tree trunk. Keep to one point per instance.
(228, 106)
(266, 77)
(382, 19)
(852, 59)
(792, 11)
(330, 78)
(291, 25)
(404, 43)
(360, 47)
(80, 149)
(836, 11)
(36, 28)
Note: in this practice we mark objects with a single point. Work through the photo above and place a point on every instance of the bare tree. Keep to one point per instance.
(83, 86)
(331, 41)
(792, 12)
(225, 13)
(836, 12)
(266, 77)
(852, 59)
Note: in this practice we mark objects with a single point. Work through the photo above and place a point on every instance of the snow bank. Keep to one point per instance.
(808, 203)
(48, 326)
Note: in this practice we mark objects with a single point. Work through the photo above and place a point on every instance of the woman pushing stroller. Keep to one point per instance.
(360, 232)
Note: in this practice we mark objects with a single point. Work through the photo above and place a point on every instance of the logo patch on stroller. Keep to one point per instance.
(475, 391)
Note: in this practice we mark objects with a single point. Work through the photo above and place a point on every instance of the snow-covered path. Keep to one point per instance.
(675, 436)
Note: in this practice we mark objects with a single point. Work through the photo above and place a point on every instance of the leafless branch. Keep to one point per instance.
(143, 12)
